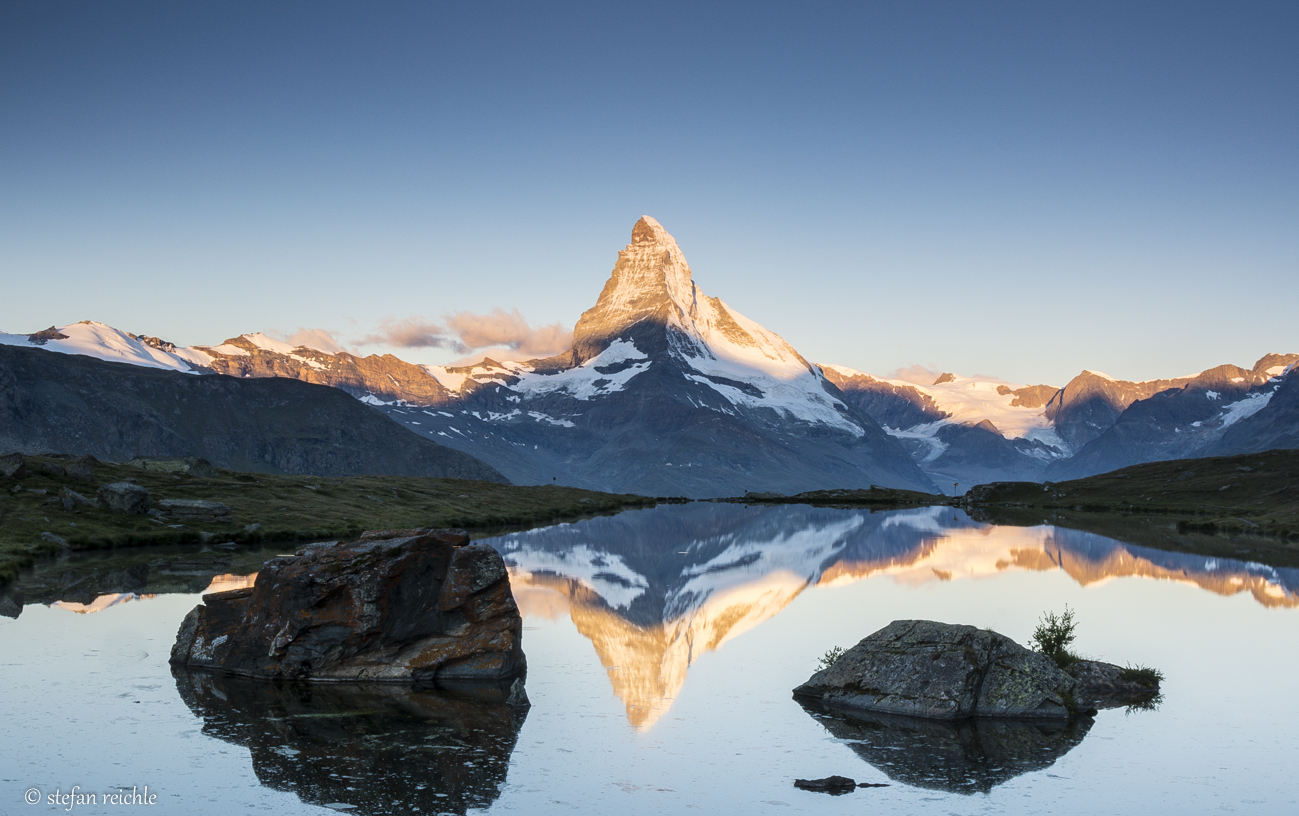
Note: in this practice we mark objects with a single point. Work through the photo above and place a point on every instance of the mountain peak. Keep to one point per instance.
(647, 230)
(650, 283)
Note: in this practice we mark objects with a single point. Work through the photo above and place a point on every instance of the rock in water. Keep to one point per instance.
(1104, 685)
(944, 671)
(424, 607)
(833, 785)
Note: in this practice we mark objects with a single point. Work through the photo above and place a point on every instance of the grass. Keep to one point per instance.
(288, 508)
(857, 497)
(1142, 676)
(1255, 494)
(830, 658)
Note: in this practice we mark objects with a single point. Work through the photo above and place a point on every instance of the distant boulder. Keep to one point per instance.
(196, 511)
(13, 466)
(125, 497)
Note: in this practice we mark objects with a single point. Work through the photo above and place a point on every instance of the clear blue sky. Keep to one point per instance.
(1017, 189)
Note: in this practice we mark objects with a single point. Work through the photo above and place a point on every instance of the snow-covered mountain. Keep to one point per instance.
(971, 430)
(668, 391)
(664, 391)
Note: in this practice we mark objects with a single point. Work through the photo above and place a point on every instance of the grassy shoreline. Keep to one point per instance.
(1244, 507)
(287, 508)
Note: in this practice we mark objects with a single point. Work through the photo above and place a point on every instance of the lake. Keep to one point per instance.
(662, 646)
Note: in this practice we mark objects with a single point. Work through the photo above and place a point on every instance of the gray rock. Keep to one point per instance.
(53, 539)
(191, 465)
(71, 499)
(54, 469)
(252, 528)
(1102, 685)
(833, 785)
(125, 497)
(944, 671)
(80, 470)
(196, 511)
(13, 466)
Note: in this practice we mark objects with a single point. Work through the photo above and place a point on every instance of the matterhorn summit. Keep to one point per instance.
(665, 391)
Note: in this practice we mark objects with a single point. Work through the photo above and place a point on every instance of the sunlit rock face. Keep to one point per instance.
(655, 589)
(382, 377)
(376, 749)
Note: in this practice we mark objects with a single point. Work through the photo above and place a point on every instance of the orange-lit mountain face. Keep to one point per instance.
(654, 590)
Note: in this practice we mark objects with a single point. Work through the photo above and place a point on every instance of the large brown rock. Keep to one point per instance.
(944, 671)
(424, 607)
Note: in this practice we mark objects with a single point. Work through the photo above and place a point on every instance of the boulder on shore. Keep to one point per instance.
(13, 466)
(417, 606)
(944, 671)
(196, 511)
(126, 497)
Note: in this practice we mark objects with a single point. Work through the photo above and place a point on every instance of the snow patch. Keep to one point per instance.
(90, 339)
(925, 433)
(1250, 405)
(584, 382)
(540, 417)
(451, 381)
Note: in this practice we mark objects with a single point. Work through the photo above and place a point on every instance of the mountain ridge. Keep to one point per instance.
(666, 390)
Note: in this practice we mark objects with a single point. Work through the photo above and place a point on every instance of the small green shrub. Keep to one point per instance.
(1053, 635)
(830, 658)
(1142, 676)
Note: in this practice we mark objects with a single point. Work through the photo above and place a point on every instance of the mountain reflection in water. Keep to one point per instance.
(373, 749)
(970, 756)
(654, 589)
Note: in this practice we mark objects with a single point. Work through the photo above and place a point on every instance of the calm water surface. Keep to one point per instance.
(662, 647)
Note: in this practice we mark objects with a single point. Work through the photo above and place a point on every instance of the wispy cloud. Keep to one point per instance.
(916, 374)
(410, 332)
(501, 333)
(322, 339)
(509, 330)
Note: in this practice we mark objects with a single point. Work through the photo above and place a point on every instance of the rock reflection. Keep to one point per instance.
(377, 749)
(970, 756)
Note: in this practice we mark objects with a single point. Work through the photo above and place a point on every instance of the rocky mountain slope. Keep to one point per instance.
(1191, 419)
(77, 404)
(975, 430)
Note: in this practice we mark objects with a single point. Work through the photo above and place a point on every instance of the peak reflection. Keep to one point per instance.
(655, 589)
